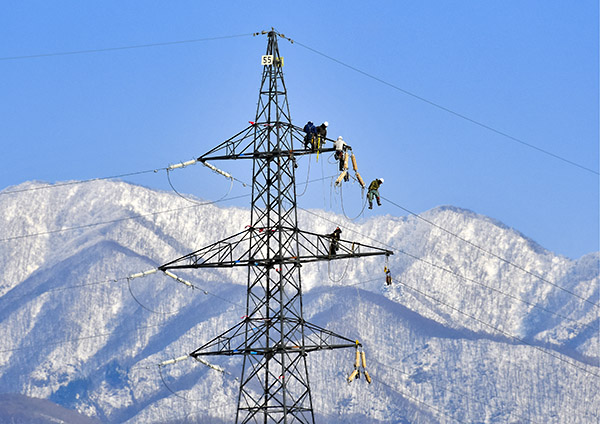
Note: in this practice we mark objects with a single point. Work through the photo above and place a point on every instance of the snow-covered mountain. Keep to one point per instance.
(19, 409)
(481, 324)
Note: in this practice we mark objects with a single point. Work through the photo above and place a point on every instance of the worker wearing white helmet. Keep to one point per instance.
(374, 192)
(340, 147)
(339, 144)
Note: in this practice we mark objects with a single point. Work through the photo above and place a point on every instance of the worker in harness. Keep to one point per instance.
(374, 192)
(388, 276)
(335, 241)
(340, 152)
(311, 135)
(322, 133)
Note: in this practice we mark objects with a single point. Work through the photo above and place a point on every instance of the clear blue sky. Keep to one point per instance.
(525, 68)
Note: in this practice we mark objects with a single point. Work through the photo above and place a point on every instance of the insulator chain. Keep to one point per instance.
(360, 365)
(168, 274)
(344, 175)
(184, 357)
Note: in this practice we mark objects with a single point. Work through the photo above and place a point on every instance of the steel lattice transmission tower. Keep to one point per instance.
(273, 338)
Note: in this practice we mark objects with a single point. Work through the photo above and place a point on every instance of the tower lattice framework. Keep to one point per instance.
(273, 337)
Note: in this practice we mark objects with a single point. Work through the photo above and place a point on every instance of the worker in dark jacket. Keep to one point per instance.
(335, 241)
(374, 192)
(322, 132)
(388, 276)
(311, 135)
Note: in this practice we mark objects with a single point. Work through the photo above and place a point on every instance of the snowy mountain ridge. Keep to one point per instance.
(460, 336)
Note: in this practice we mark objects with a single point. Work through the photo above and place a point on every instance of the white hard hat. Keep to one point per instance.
(340, 138)
(326, 123)
(381, 179)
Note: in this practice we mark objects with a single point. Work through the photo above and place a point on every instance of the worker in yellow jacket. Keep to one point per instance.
(374, 192)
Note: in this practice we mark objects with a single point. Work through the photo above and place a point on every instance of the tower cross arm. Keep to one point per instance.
(234, 342)
(241, 145)
(247, 248)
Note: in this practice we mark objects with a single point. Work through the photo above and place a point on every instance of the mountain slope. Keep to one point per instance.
(17, 409)
(460, 336)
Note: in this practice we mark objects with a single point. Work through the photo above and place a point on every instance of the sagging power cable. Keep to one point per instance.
(116, 280)
(79, 227)
(182, 281)
(404, 394)
(78, 339)
(458, 393)
(364, 204)
(498, 330)
(143, 306)
(533, 305)
(422, 260)
(448, 110)
(47, 186)
(506, 261)
(130, 47)
(471, 317)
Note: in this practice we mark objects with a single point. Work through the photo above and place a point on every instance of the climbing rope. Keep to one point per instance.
(307, 177)
(343, 273)
(362, 209)
(144, 306)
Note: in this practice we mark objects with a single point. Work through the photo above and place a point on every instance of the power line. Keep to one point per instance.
(58, 289)
(437, 105)
(113, 280)
(330, 288)
(47, 186)
(506, 261)
(403, 393)
(507, 334)
(109, 49)
(448, 110)
(117, 220)
(533, 305)
(462, 394)
(77, 339)
(444, 269)
(111, 177)
(470, 316)
(94, 224)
